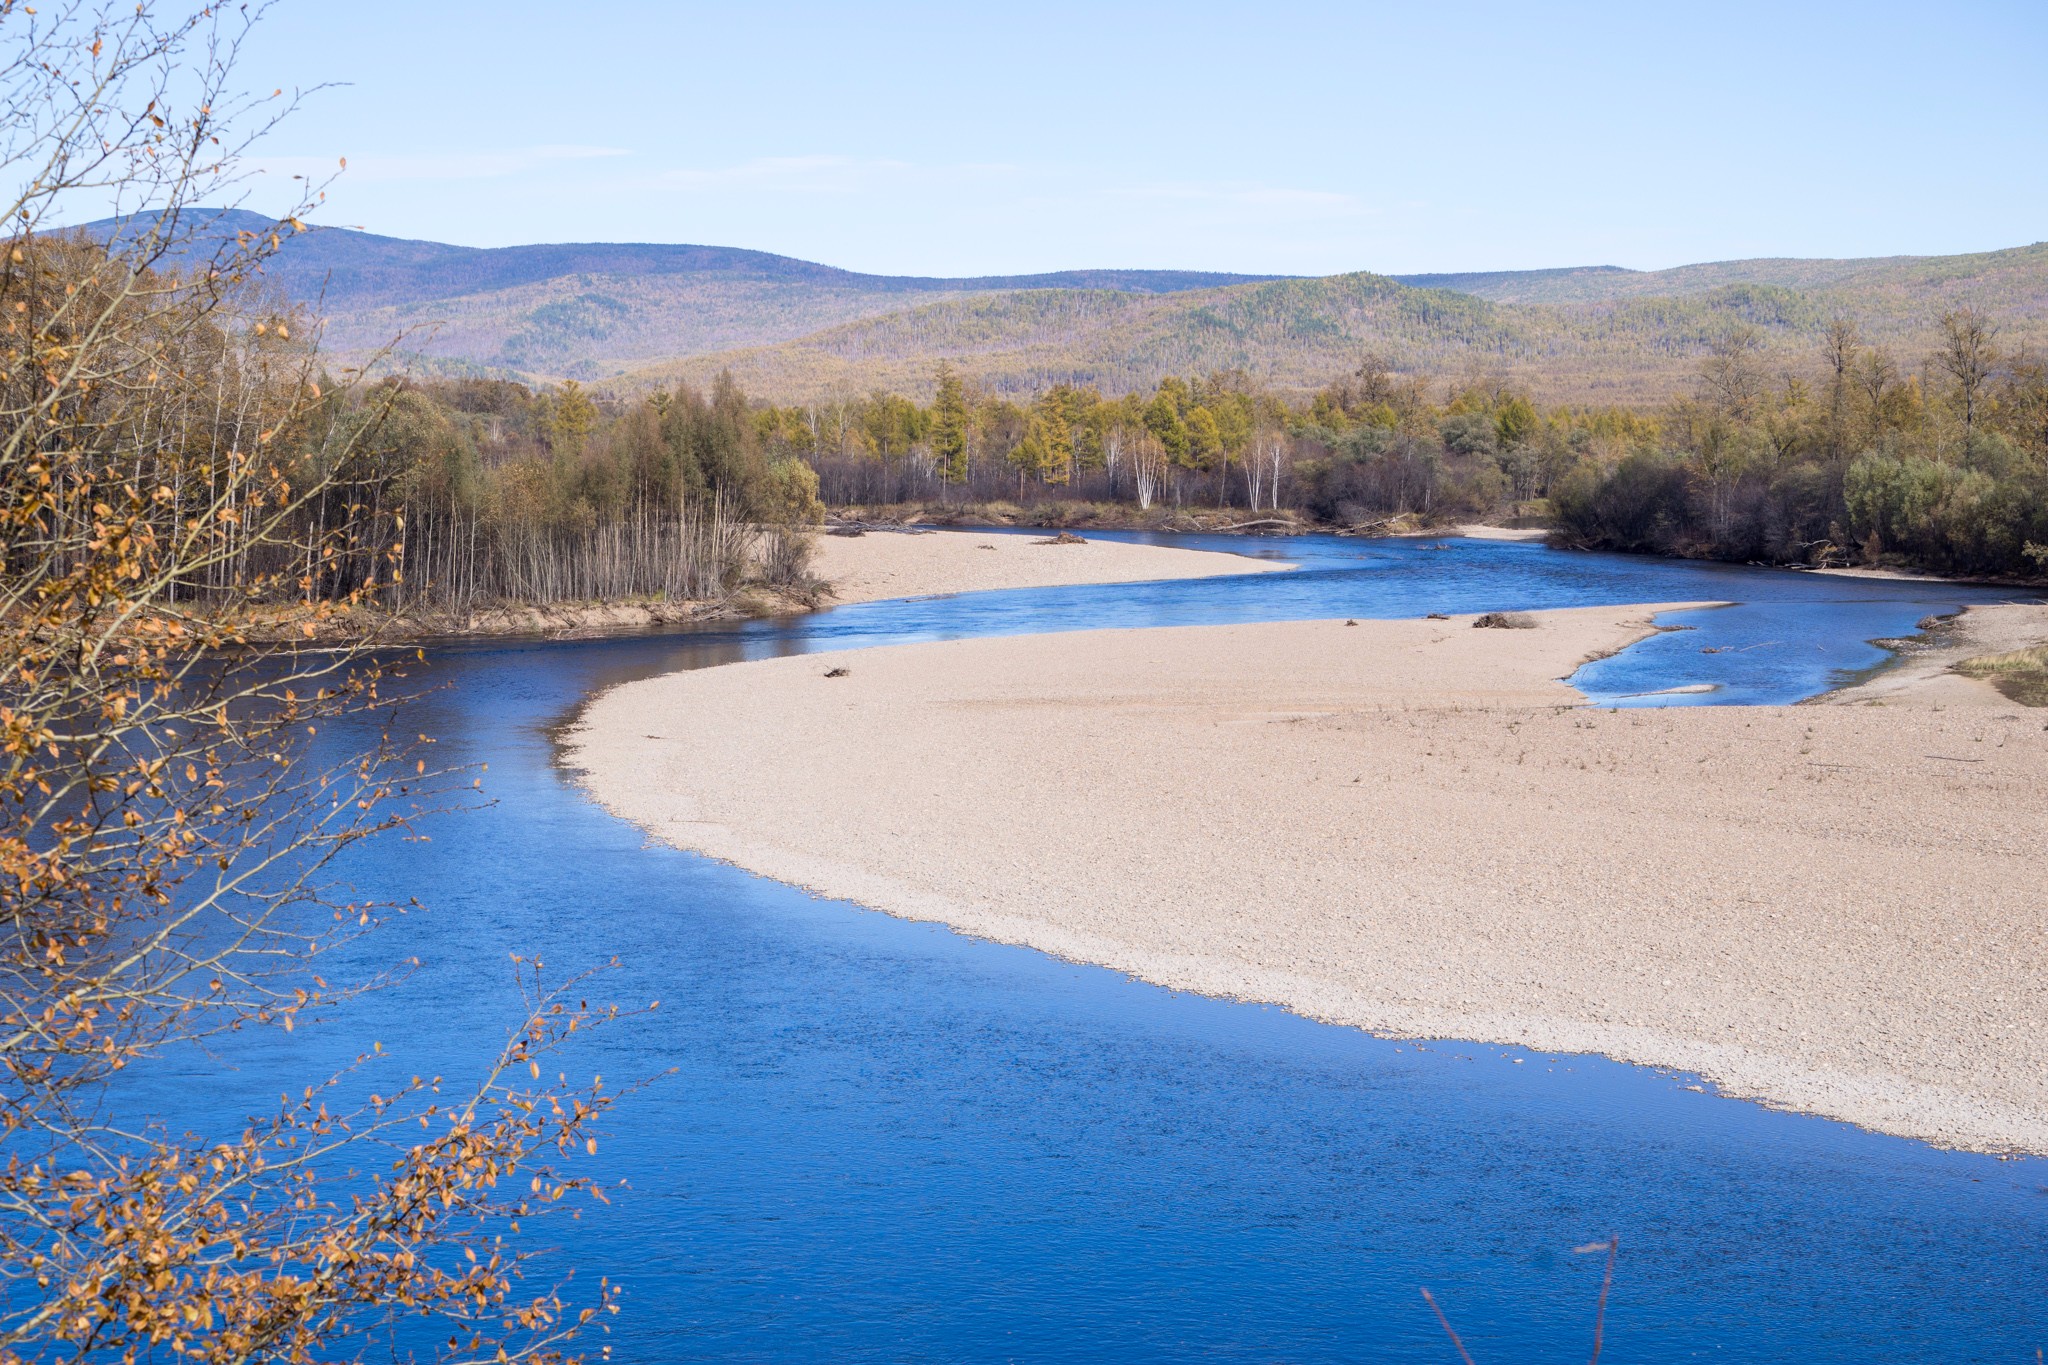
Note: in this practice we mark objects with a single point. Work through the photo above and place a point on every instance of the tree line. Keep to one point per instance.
(1857, 459)
(492, 491)
(503, 494)
(395, 497)
(1854, 455)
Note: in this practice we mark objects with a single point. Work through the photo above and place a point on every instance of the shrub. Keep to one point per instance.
(1640, 504)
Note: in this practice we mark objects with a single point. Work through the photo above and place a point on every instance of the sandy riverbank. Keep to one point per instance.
(1409, 826)
(1923, 674)
(853, 568)
(883, 564)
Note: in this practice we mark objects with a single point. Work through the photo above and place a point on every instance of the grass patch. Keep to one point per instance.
(2021, 675)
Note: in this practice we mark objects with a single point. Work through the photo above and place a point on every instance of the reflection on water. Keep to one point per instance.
(885, 1142)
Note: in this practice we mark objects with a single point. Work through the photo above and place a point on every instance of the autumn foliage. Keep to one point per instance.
(180, 510)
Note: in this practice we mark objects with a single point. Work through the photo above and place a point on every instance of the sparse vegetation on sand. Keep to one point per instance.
(2021, 675)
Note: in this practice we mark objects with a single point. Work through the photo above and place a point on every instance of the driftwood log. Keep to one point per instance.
(861, 528)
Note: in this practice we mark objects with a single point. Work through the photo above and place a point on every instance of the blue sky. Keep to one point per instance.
(1296, 138)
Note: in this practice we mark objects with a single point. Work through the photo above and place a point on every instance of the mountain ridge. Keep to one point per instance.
(363, 260)
(1633, 349)
(631, 314)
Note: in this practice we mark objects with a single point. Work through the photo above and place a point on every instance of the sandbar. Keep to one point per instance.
(885, 564)
(1417, 828)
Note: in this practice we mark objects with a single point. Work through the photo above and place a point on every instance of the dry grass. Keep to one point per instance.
(2021, 675)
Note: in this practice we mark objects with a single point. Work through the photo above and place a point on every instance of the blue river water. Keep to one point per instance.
(881, 1141)
(1789, 636)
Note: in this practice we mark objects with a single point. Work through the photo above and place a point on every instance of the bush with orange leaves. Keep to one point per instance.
(180, 505)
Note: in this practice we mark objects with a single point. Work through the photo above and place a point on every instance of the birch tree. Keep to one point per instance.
(174, 490)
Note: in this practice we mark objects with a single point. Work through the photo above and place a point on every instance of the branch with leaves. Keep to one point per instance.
(186, 499)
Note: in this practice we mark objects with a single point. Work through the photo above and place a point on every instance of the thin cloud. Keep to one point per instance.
(827, 175)
(373, 168)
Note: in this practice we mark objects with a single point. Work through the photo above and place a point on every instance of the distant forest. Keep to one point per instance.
(1855, 454)
(1622, 347)
(628, 318)
(461, 492)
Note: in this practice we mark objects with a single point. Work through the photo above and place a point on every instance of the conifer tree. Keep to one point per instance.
(571, 417)
(949, 428)
(1030, 455)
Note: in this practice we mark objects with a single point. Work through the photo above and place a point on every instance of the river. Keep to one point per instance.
(882, 1141)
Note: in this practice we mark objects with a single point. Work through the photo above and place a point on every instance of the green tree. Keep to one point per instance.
(1205, 439)
(571, 418)
(1515, 422)
(1031, 455)
(1234, 417)
(949, 422)
(1162, 419)
(1054, 420)
(789, 494)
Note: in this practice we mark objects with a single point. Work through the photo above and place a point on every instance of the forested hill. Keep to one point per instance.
(633, 314)
(355, 269)
(2019, 269)
(1624, 347)
(593, 309)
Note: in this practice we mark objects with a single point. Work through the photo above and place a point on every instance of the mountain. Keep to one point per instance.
(634, 314)
(1515, 286)
(1593, 336)
(1608, 283)
(592, 309)
(1289, 333)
